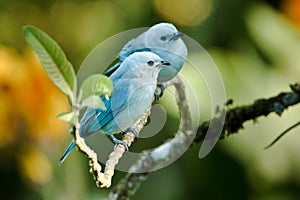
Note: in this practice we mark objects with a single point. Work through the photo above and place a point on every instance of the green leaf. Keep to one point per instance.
(96, 84)
(53, 60)
(66, 116)
(93, 101)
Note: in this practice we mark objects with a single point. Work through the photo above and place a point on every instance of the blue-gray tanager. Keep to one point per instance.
(134, 85)
(162, 39)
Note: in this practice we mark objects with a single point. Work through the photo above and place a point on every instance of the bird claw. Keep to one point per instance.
(156, 97)
(159, 92)
(117, 142)
(121, 143)
(134, 131)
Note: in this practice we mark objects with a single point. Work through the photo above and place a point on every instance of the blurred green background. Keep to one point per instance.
(256, 46)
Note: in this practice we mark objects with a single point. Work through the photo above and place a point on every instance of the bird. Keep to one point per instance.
(134, 84)
(162, 39)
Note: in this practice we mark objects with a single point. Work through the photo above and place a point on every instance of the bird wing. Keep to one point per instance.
(112, 69)
(127, 52)
(96, 119)
(126, 48)
(131, 50)
(124, 53)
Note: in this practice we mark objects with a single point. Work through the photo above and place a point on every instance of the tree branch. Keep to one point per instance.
(162, 155)
(152, 160)
(116, 155)
(104, 179)
(235, 118)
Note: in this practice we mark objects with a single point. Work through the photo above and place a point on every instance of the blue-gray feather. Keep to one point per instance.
(171, 50)
(131, 96)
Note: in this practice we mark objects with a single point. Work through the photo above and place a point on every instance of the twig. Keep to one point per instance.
(104, 179)
(115, 156)
(128, 138)
(162, 155)
(282, 134)
(84, 148)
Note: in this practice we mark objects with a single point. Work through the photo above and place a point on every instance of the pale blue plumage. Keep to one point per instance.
(134, 85)
(162, 39)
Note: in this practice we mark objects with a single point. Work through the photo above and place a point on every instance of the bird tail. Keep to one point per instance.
(67, 152)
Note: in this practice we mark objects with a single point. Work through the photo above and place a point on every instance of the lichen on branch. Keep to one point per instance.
(235, 117)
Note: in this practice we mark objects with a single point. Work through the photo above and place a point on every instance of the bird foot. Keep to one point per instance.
(134, 131)
(159, 92)
(117, 142)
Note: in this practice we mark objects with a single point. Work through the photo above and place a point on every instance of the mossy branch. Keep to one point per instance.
(235, 118)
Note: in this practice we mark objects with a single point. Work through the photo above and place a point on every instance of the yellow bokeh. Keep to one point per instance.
(35, 166)
(185, 13)
(29, 104)
(28, 99)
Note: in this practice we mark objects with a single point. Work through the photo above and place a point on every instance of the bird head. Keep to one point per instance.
(163, 35)
(142, 64)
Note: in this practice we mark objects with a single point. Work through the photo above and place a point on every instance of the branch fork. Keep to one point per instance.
(103, 179)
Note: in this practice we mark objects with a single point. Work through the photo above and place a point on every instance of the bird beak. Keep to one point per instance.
(164, 63)
(177, 35)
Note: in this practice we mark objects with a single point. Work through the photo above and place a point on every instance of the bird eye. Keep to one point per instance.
(150, 63)
(163, 38)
